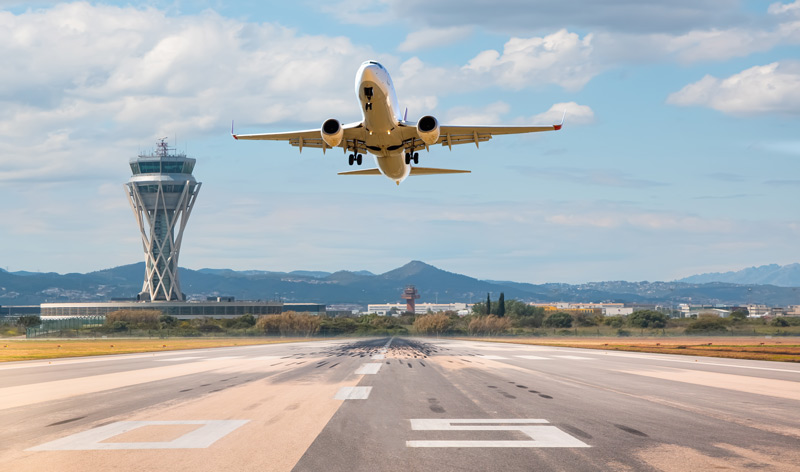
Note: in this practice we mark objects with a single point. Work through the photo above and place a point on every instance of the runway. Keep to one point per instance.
(399, 404)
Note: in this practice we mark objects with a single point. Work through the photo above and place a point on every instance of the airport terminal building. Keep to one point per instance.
(182, 310)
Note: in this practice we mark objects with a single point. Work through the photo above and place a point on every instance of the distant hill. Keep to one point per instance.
(363, 287)
(772, 274)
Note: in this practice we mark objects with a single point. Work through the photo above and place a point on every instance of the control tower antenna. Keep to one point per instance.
(410, 295)
(162, 192)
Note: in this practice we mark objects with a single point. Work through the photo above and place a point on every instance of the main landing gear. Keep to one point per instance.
(412, 157)
(355, 158)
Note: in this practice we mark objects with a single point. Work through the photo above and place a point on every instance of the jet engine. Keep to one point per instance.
(332, 132)
(428, 130)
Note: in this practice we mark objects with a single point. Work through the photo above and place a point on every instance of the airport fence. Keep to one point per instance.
(50, 326)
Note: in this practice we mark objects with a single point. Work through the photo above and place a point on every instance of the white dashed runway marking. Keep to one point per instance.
(224, 358)
(576, 358)
(535, 358)
(369, 369)
(541, 433)
(496, 358)
(379, 356)
(353, 393)
(92, 440)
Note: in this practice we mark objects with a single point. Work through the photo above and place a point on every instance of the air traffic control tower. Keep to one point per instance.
(162, 192)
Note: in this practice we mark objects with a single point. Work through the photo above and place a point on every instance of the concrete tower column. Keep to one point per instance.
(162, 192)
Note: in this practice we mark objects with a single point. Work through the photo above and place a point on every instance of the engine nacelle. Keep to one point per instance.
(332, 132)
(428, 130)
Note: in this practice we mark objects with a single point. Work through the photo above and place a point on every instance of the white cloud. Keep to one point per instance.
(575, 114)
(772, 88)
(359, 12)
(779, 8)
(488, 115)
(561, 58)
(107, 79)
(433, 38)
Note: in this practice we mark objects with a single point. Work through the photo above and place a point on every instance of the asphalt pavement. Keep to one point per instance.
(399, 404)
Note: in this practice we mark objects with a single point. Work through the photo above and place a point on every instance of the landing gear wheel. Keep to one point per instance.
(351, 159)
(358, 159)
(408, 158)
(416, 158)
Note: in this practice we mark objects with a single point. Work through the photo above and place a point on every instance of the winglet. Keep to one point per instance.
(558, 126)
(405, 116)
(234, 136)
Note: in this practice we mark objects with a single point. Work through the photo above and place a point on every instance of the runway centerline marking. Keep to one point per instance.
(92, 440)
(534, 358)
(576, 358)
(539, 430)
(379, 356)
(369, 369)
(353, 393)
(493, 358)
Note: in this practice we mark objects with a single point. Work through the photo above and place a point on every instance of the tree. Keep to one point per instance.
(647, 319)
(780, 321)
(29, 321)
(559, 319)
(738, 316)
(501, 305)
(488, 305)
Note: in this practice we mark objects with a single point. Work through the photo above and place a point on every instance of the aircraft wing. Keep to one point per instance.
(352, 139)
(451, 135)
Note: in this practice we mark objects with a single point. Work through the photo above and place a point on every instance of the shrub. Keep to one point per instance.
(706, 324)
(135, 319)
(559, 319)
(488, 325)
(432, 324)
(289, 323)
(617, 321)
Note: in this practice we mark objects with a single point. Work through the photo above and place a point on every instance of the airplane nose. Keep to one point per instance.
(368, 73)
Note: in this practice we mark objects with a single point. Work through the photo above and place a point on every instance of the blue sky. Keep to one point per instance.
(680, 153)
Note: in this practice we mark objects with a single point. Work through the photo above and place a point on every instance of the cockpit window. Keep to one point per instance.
(376, 63)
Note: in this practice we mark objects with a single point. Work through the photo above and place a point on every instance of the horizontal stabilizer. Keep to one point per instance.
(375, 171)
(432, 171)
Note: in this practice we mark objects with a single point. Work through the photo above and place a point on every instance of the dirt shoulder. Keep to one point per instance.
(784, 349)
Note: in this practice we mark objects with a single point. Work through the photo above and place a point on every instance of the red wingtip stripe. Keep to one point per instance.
(557, 127)
(235, 137)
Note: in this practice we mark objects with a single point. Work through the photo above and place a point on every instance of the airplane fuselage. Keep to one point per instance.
(380, 111)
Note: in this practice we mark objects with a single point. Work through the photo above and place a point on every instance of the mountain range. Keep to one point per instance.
(363, 287)
(772, 274)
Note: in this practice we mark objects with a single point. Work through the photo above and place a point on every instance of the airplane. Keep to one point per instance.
(390, 137)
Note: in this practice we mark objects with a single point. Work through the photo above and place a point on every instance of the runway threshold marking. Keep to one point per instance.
(353, 393)
(542, 434)
(368, 369)
(207, 434)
